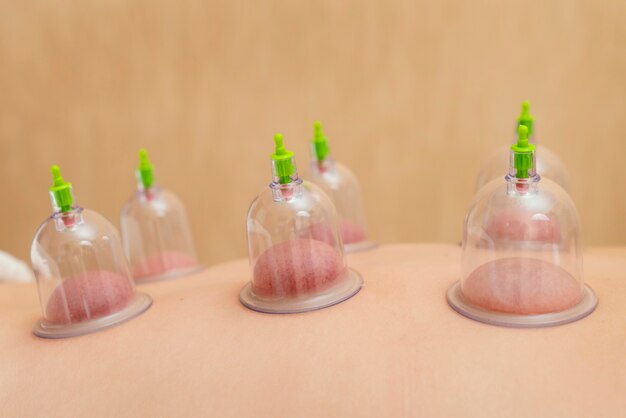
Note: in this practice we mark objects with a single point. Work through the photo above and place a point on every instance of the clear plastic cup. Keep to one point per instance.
(342, 186)
(155, 231)
(83, 277)
(294, 246)
(522, 256)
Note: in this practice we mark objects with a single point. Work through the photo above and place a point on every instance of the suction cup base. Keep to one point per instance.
(45, 330)
(348, 287)
(168, 275)
(587, 305)
(359, 246)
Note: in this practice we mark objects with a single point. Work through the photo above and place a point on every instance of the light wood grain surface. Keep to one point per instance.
(395, 349)
(413, 95)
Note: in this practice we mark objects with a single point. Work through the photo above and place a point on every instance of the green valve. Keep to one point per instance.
(62, 190)
(523, 153)
(283, 161)
(145, 169)
(525, 118)
(319, 142)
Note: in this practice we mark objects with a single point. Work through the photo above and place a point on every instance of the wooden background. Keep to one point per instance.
(413, 95)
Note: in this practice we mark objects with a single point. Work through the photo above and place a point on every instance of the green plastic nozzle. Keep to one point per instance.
(523, 153)
(145, 169)
(283, 161)
(320, 143)
(525, 118)
(62, 190)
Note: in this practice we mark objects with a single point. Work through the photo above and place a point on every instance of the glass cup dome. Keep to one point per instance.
(522, 256)
(549, 165)
(83, 277)
(155, 230)
(294, 246)
(341, 185)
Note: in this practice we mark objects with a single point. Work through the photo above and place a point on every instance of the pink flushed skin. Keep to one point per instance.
(522, 286)
(157, 264)
(90, 295)
(351, 232)
(519, 225)
(297, 267)
(321, 232)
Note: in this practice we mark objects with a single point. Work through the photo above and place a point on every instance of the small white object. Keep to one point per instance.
(14, 270)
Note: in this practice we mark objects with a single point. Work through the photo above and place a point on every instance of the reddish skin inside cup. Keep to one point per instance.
(297, 267)
(522, 286)
(520, 225)
(321, 232)
(351, 232)
(157, 264)
(90, 295)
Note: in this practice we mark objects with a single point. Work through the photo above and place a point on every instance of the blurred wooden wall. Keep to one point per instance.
(412, 94)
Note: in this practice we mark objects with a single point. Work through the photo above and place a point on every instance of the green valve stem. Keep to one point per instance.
(61, 190)
(283, 162)
(320, 143)
(145, 170)
(523, 154)
(525, 118)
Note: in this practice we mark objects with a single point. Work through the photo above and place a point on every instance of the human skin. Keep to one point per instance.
(351, 232)
(163, 262)
(88, 296)
(520, 225)
(296, 267)
(397, 349)
(521, 286)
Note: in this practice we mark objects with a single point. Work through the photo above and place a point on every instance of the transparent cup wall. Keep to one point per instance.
(295, 251)
(83, 277)
(156, 236)
(343, 188)
(522, 257)
(548, 166)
